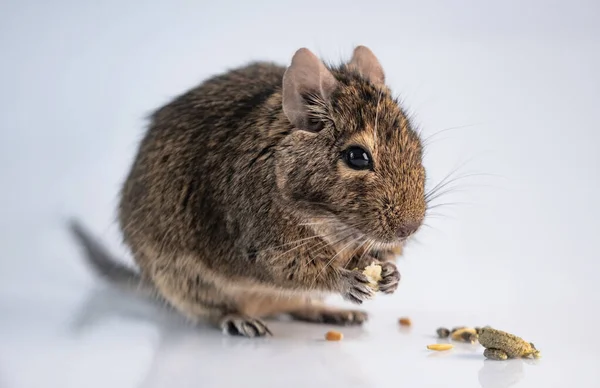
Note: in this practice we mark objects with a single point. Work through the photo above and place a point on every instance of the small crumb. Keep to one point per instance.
(442, 332)
(404, 321)
(334, 336)
(439, 347)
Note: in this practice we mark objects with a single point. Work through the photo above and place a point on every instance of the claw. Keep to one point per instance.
(244, 326)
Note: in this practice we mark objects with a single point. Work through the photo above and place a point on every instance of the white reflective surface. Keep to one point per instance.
(520, 251)
(103, 338)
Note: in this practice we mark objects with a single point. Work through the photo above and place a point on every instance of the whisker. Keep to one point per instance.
(440, 216)
(333, 258)
(427, 140)
(323, 245)
(447, 181)
(439, 184)
(337, 231)
(414, 239)
(446, 204)
(366, 251)
(453, 189)
(347, 227)
(353, 253)
(290, 250)
(326, 244)
(290, 243)
(454, 171)
(325, 217)
(314, 223)
(326, 205)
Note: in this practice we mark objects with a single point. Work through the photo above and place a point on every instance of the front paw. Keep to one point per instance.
(331, 316)
(390, 277)
(356, 287)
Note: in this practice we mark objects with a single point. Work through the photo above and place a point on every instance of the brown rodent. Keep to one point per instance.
(262, 189)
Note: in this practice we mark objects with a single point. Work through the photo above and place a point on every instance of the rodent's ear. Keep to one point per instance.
(366, 63)
(305, 76)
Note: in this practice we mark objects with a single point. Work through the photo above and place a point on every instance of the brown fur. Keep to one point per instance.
(234, 213)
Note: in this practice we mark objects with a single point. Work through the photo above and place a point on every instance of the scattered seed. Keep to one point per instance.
(442, 332)
(454, 329)
(405, 321)
(334, 336)
(468, 337)
(465, 334)
(439, 347)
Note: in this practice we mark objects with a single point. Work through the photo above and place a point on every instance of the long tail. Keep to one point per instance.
(104, 264)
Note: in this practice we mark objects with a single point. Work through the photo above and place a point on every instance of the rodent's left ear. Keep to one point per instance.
(366, 63)
(306, 75)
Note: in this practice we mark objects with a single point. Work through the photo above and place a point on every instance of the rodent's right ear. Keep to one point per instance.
(306, 76)
(366, 63)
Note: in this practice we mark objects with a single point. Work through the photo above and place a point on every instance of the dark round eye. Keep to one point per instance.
(357, 158)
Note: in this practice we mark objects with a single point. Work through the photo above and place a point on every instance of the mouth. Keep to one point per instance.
(391, 244)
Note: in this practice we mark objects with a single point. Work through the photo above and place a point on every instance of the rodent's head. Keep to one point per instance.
(353, 157)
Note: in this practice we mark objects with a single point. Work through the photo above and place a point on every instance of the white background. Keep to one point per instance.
(519, 79)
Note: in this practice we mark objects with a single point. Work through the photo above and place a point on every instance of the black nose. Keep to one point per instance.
(407, 229)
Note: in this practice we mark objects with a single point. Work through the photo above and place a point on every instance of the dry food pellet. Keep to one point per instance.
(495, 354)
(440, 347)
(501, 345)
(334, 336)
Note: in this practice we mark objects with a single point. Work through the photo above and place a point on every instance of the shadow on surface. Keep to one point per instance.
(199, 355)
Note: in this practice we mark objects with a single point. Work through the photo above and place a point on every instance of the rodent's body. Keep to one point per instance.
(225, 175)
(238, 205)
(228, 177)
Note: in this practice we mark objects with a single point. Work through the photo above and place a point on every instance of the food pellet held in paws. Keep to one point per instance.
(373, 273)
